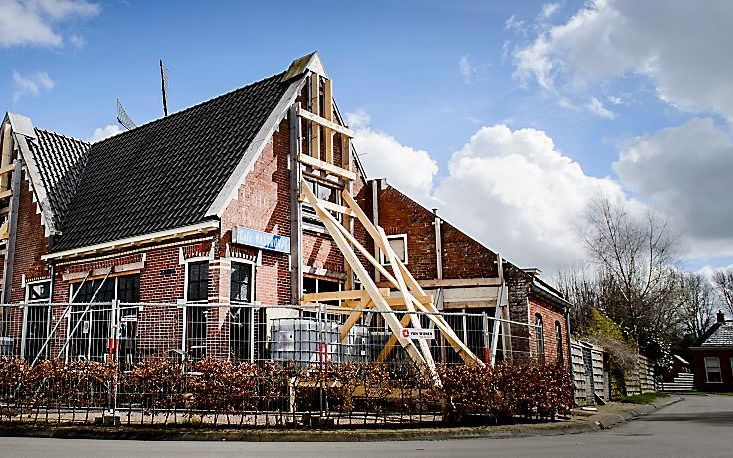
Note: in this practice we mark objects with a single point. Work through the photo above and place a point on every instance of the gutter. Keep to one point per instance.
(205, 226)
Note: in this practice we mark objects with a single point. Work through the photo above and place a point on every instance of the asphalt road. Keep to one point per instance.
(697, 426)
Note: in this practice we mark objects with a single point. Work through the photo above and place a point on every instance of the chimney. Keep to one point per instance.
(721, 316)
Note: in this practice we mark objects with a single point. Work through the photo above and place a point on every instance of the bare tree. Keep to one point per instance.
(698, 304)
(723, 282)
(636, 255)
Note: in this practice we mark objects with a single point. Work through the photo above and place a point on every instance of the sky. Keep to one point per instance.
(507, 116)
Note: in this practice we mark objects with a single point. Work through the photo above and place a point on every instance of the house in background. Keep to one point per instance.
(713, 357)
(467, 277)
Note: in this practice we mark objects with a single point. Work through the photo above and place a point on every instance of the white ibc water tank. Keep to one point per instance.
(298, 339)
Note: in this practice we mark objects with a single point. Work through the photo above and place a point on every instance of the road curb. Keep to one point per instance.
(599, 421)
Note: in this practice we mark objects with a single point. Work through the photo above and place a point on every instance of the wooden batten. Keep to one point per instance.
(326, 167)
(315, 110)
(328, 124)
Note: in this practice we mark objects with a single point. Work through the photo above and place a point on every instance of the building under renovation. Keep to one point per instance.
(255, 200)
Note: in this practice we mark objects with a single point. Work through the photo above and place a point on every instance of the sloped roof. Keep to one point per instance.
(60, 161)
(167, 173)
(720, 336)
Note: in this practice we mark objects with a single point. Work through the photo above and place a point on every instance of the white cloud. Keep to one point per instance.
(511, 189)
(678, 45)
(100, 133)
(35, 22)
(412, 170)
(597, 107)
(548, 9)
(615, 100)
(471, 71)
(31, 84)
(686, 171)
(515, 24)
(77, 41)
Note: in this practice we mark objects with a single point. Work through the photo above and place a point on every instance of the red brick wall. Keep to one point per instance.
(462, 256)
(550, 314)
(31, 243)
(726, 371)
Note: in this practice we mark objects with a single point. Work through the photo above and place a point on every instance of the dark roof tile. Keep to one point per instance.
(167, 173)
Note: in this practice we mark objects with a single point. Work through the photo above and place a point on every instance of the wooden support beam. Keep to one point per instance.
(402, 288)
(328, 124)
(463, 351)
(7, 168)
(328, 116)
(380, 303)
(384, 354)
(5, 194)
(331, 206)
(326, 167)
(356, 294)
(315, 109)
(354, 318)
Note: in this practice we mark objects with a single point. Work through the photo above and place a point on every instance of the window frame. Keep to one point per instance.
(383, 259)
(253, 276)
(30, 284)
(707, 369)
(539, 324)
(187, 282)
(308, 212)
(558, 344)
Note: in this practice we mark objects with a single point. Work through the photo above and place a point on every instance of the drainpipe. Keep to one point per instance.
(438, 245)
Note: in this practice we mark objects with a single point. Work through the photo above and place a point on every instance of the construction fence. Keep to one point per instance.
(253, 365)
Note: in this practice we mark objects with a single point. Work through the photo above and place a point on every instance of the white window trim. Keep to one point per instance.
(383, 259)
(252, 289)
(37, 301)
(720, 372)
(186, 263)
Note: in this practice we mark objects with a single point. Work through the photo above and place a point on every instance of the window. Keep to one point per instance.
(399, 246)
(540, 337)
(241, 284)
(37, 319)
(197, 290)
(712, 369)
(90, 330)
(241, 323)
(198, 281)
(319, 285)
(558, 336)
(327, 192)
(39, 291)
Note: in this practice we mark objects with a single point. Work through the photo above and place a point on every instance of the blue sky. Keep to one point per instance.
(424, 76)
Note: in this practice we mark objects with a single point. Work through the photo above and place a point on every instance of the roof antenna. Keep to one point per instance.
(122, 117)
(164, 86)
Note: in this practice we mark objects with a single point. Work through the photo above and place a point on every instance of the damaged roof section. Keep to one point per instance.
(167, 173)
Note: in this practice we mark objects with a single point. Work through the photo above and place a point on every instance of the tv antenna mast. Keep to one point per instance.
(122, 117)
(164, 86)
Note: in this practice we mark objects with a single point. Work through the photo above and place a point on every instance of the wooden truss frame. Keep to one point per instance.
(404, 296)
(411, 297)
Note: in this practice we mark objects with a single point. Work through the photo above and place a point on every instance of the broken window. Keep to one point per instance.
(324, 191)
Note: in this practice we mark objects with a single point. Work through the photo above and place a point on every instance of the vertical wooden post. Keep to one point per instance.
(296, 215)
(328, 114)
(315, 107)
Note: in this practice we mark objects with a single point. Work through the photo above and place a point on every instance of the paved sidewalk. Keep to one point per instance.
(606, 417)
